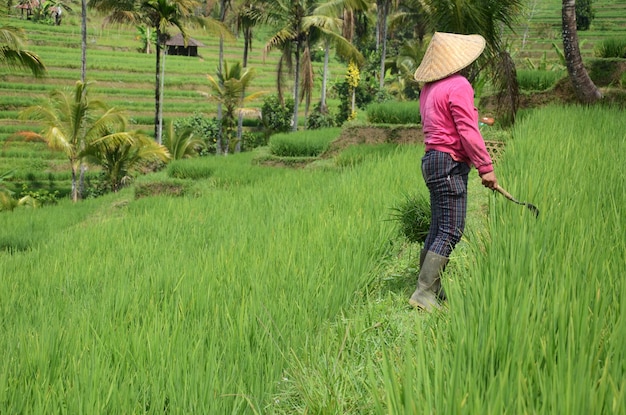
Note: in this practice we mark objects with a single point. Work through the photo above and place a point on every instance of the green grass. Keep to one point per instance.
(535, 322)
(206, 324)
(279, 290)
(394, 113)
(308, 143)
(538, 80)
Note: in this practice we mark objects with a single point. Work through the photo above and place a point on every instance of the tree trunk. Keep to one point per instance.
(221, 145)
(74, 186)
(83, 43)
(323, 107)
(382, 16)
(585, 89)
(243, 96)
(157, 88)
(160, 113)
(83, 78)
(296, 97)
(220, 134)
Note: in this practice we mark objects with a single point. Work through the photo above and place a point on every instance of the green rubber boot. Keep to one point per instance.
(426, 296)
(441, 294)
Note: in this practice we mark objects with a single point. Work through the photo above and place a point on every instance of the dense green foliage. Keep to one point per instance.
(606, 72)
(537, 80)
(611, 48)
(392, 112)
(205, 301)
(310, 143)
(535, 322)
(277, 116)
(584, 14)
(189, 169)
(413, 217)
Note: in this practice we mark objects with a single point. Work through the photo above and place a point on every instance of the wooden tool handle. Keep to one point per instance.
(505, 194)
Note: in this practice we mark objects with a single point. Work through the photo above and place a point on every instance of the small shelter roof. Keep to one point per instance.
(28, 5)
(178, 40)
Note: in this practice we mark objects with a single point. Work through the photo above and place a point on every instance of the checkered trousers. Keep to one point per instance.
(447, 183)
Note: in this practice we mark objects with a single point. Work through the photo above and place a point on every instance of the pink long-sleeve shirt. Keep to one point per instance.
(450, 122)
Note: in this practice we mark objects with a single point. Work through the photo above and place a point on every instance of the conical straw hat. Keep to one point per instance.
(448, 53)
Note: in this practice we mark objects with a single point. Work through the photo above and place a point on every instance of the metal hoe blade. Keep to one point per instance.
(530, 206)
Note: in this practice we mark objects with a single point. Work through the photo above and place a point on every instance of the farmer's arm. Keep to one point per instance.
(466, 119)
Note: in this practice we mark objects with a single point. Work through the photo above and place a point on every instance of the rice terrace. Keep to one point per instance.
(262, 264)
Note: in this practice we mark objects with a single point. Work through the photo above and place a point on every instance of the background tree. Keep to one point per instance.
(584, 14)
(72, 123)
(383, 9)
(244, 22)
(296, 27)
(182, 144)
(227, 89)
(159, 15)
(585, 89)
(13, 54)
(119, 160)
(331, 33)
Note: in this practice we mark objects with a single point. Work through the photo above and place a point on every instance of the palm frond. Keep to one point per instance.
(280, 39)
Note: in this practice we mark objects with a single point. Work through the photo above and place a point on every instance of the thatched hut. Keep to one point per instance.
(176, 46)
(27, 6)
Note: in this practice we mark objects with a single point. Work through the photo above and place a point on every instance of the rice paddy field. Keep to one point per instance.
(287, 293)
(272, 290)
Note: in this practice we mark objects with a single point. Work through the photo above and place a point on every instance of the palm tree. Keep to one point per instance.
(181, 144)
(83, 41)
(119, 160)
(7, 197)
(245, 20)
(298, 27)
(383, 8)
(330, 33)
(13, 54)
(227, 90)
(585, 89)
(159, 15)
(72, 123)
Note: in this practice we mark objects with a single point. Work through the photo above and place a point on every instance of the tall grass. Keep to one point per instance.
(536, 324)
(538, 80)
(308, 143)
(190, 305)
(611, 48)
(394, 112)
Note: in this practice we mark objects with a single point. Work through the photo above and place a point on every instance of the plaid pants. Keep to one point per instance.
(447, 183)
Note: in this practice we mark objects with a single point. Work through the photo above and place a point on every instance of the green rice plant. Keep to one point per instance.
(356, 154)
(535, 323)
(196, 168)
(612, 47)
(606, 71)
(170, 187)
(412, 215)
(394, 112)
(128, 299)
(538, 80)
(308, 143)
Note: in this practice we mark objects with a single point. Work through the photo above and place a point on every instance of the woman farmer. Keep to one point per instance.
(453, 144)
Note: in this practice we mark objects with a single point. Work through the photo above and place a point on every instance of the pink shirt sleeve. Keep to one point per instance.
(465, 117)
(450, 122)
